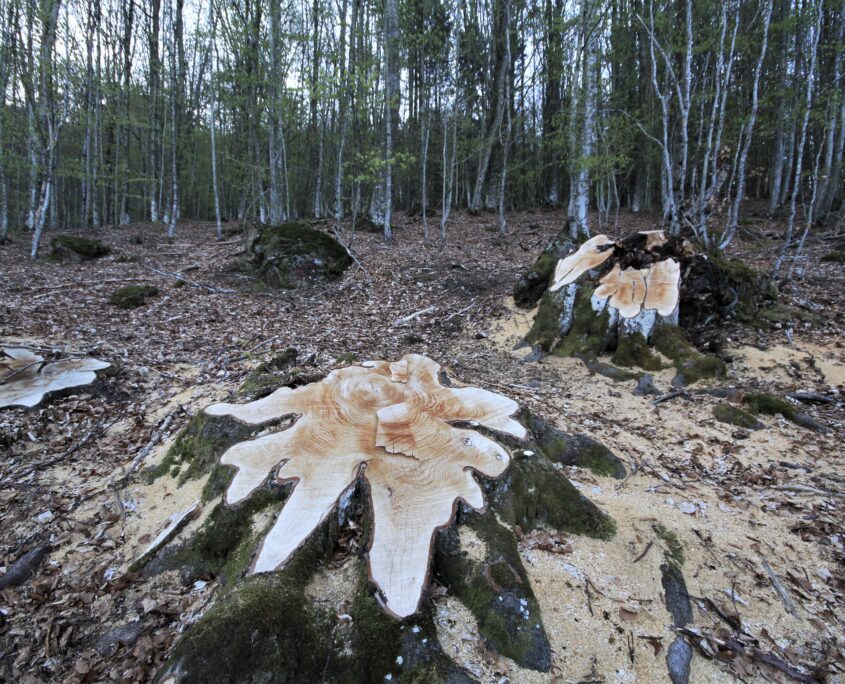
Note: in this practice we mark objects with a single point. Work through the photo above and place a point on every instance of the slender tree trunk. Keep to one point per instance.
(733, 213)
(391, 103)
(815, 30)
(212, 116)
(580, 226)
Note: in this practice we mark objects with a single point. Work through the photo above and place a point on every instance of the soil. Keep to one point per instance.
(730, 501)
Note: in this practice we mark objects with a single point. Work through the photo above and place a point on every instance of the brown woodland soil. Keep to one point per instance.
(193, 343)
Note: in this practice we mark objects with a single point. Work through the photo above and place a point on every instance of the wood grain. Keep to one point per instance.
(587, 257)
(25, 380)
(389, 422)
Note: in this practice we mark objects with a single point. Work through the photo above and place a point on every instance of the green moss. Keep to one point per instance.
(834, 258)
(545, 330)
(589, 333)
(197, 451)
(632, 350)
(132, 296)
(531, 284)
(496, 591)
(270, 375)
(533, 493)
(691, 364)
(290, 253)
(768, 405)
(126, 259)
(347, 358)
(725, 413)
(266, 630)
(84, 249)
(577, 450)
(225, 544)
(785, 314)
(674, 545)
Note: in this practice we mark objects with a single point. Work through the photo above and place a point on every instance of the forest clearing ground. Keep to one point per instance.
(194, 343)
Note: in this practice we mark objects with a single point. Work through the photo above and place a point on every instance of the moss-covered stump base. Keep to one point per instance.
(74, 250)
(280, 371)
(319, 618)
(273, 628)
(725, 413)
(293, 254)
(574, 450)
(536, 280)
(567, 324)
(132, 296)
(642, 294)
(496, 590)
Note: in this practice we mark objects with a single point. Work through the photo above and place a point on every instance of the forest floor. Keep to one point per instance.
(746, 508)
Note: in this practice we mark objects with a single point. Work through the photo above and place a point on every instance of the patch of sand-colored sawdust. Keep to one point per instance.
(603, 601)
(783, 364)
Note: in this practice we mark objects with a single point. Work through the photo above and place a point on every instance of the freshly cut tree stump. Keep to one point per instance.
(392, 419)
(381, 464)
(25, 380)
(625, 297)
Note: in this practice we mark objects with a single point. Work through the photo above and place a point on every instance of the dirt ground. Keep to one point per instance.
(759, 515)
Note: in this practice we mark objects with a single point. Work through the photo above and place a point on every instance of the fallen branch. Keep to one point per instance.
(696, 637)
(192, 283)
(410, 317)
(805, 489)
(672, 395)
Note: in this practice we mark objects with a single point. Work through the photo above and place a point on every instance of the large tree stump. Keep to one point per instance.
(381, 462)
(638, 294)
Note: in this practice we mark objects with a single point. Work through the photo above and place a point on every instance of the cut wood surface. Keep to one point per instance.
(634, 290)
(25, 380)
(588, 256)
(390, 421)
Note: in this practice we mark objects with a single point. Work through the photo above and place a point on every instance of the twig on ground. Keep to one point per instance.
(787, 602)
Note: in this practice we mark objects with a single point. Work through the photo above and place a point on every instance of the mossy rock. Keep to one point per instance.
(576, 450)
(132, 296)
(768, 405)
(725, 413)
(73, 249)
(293, 254)
(364, 224)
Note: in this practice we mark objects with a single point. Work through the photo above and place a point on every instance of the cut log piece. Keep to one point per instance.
(392, 420)
(593, 253)
(25, 380)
